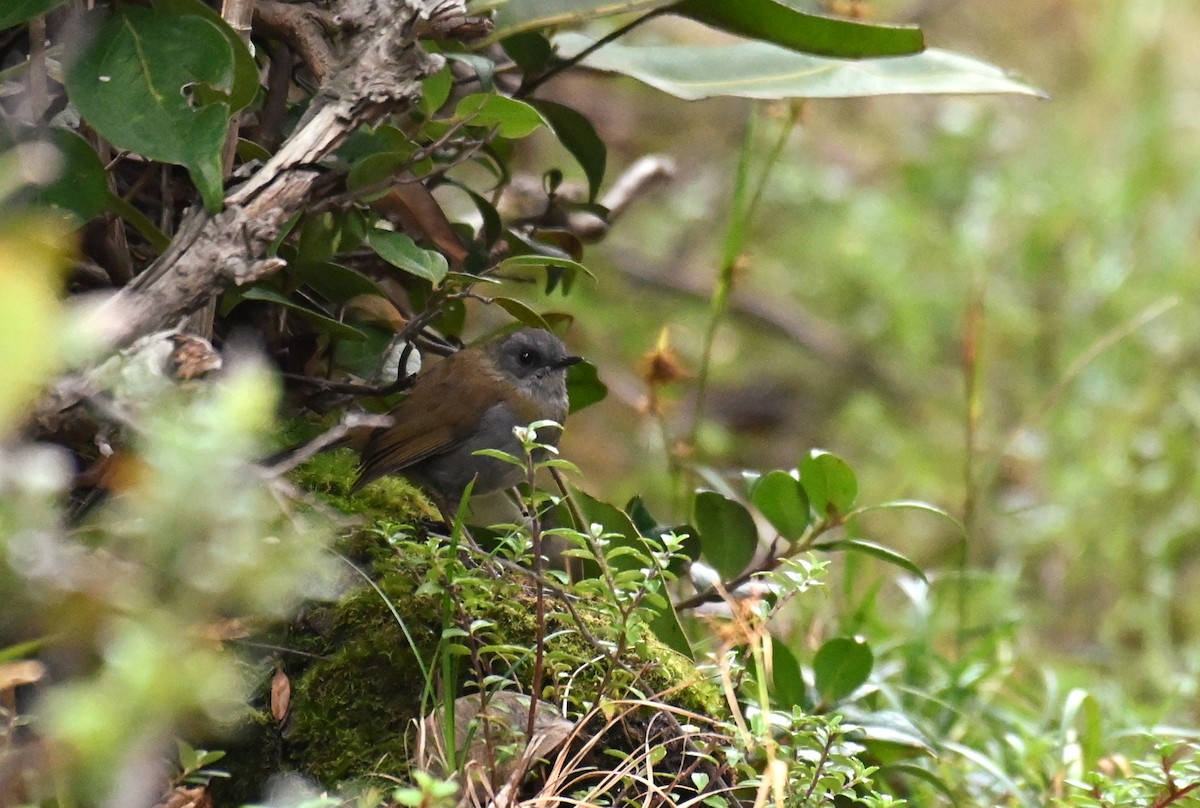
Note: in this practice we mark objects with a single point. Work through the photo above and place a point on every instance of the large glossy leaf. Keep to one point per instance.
(763, 70)
(784, 23)
(138, 83)
(514, 16)
(18, 11)
(727, 533)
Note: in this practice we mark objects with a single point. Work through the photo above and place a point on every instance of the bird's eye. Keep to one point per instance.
(527, 358)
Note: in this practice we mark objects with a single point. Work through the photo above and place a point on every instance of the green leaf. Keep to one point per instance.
(324, 235)
(783, 23)
(435, 90)
(517, 263)
(531, 51)
(511, 118)
(138, 220)
(485, 68)
(1081, 718)
(521, 312)
(336, 282)
(920, 773)
(625, 535)
(14, 12)
(138, 84)
(872, 549)
(840, 667)
(402, 252)
(324, 324)
(377, 169)
(787, 681)
(584, 387)
(781, 499)
(515, 16)
(666, 627)
(245, 71)
(81, 187)
(886, 727)
(727, 533)
(577, 135)
(829, 482)
(763, 70)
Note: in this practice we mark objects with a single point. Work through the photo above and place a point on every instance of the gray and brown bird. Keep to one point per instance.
(472, 400)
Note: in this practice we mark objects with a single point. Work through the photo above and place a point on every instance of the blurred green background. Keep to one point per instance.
(1057, 237)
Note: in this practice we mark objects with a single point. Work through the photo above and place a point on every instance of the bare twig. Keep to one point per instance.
(304, 29)
(351, 422)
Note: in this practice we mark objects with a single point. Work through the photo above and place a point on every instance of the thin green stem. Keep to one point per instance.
(735, 238)
(744, 205)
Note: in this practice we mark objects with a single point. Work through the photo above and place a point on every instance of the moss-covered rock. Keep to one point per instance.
(364, 668)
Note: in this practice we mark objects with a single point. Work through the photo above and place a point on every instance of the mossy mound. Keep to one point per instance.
(360, 669)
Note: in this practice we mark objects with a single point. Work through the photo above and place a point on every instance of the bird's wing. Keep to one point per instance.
(431, 420)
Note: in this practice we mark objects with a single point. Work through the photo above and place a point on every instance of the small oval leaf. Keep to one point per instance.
(728, 536)
(829, 482)
(402, 252)
(840, 667)
(787, 681)
(781, 499)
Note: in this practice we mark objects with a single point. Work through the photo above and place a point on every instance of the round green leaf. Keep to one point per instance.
(829, 482)
(402, 252)
(138, 84)
(728, 536)
(840, 667)
(780, 497)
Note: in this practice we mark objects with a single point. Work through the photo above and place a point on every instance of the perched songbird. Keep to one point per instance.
(471, 400)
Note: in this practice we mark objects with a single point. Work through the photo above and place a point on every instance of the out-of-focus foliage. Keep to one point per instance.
(1058, 238)
(129, 604)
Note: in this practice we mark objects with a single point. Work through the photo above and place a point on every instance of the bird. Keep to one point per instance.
(471, 400)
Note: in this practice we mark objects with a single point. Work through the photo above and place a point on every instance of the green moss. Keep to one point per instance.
(353, 708)
(361, 672)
